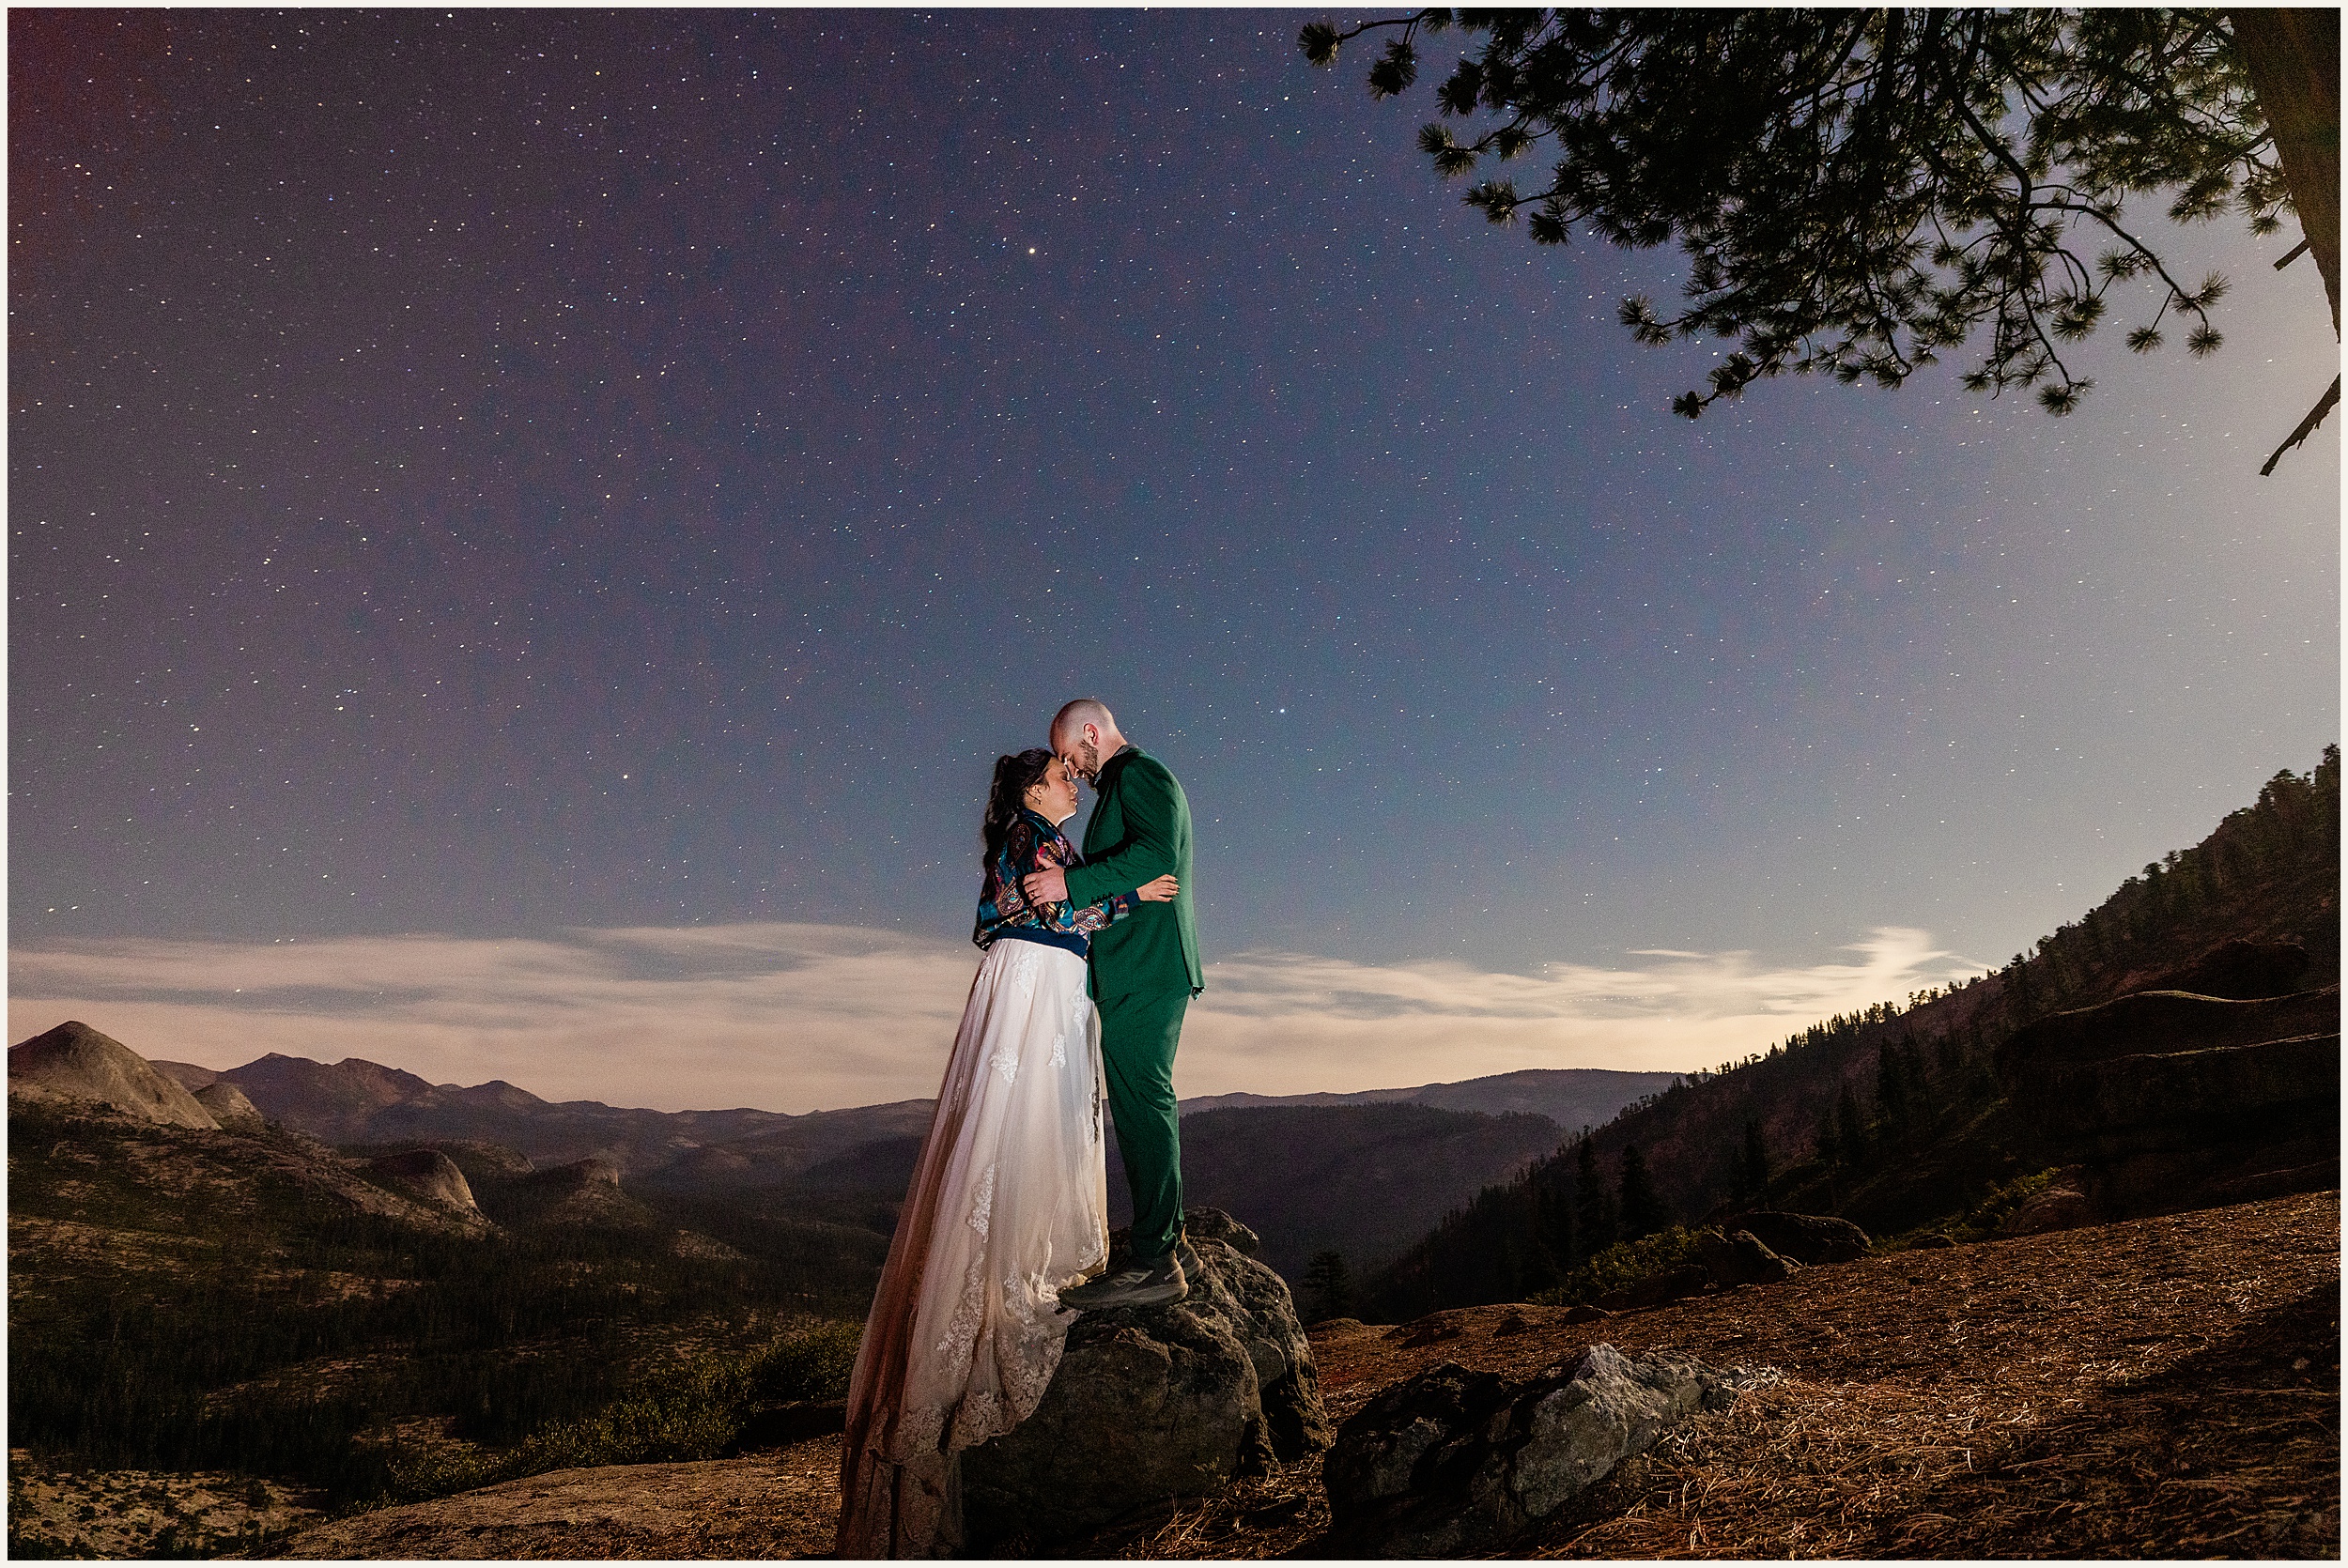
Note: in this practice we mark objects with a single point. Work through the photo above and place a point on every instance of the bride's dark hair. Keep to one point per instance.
(1014, 776)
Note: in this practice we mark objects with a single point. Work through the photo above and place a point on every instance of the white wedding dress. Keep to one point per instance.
(1008, 1207)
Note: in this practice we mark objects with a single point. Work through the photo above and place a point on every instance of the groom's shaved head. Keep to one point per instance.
(1072, 719)
(1084, 732)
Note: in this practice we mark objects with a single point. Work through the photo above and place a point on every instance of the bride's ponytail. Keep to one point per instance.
(1014, 776)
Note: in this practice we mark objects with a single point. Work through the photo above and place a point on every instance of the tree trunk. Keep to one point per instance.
(2294, 60)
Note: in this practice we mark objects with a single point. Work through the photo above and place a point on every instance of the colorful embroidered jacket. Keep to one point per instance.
(1031, 844)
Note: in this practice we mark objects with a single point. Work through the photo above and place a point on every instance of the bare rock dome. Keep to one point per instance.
(74, 1061)
(426, 1173)
(230, 1108)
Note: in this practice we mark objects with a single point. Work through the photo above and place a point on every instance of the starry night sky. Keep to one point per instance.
(513, 472)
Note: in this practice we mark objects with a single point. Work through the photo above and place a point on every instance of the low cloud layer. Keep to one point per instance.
(801, 1016)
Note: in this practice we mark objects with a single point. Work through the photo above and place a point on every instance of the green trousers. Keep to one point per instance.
(1139, 1033)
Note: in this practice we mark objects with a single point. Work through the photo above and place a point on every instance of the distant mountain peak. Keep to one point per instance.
(497, 1092)
(390, 1082)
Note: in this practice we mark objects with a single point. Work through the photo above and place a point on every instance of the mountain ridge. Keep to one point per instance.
(1573, 1098)
(1900, 1115)
(358, 1101)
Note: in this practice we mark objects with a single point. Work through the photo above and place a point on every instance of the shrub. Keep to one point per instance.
(1979, 1223)
(1623, 1265)
(811, 1362)
(690, 1411)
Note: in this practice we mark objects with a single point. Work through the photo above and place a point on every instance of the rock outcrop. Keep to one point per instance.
(2060, 1204)
(1741, 1258)
(1453, 1462)
(482, 1162)
(2229, 1083)
(584, 1193)
(74, 1061)
(2047, 1054)
(2173, 1098)
(426, 1173)
(150, 1168)
(225, 1104)
(486, 1167)
(1152, 1404)
(1805, 1239)
(2239, 970)
(1756, 1248)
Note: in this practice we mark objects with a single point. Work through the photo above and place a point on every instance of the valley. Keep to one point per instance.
(348, 1286)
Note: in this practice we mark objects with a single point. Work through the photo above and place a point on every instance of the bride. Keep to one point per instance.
(1009, 1202)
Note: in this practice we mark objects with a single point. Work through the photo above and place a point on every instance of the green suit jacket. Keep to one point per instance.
(1139, 831)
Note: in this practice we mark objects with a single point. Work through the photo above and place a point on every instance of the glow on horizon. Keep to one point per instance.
(798, 1017)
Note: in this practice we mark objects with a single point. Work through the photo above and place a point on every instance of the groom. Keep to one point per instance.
(1145, 970)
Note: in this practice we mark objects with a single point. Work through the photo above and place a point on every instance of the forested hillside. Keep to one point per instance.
(1893, 1116)
(199, 1299)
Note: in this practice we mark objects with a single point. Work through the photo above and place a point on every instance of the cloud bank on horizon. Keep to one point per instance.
(799, 1017)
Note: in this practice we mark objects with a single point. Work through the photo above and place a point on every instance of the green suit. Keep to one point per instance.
(1144, 971)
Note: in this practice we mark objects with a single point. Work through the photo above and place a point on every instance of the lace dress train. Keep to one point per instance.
(1008, 1207)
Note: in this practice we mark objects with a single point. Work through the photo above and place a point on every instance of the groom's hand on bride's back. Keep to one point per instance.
(1046, 886)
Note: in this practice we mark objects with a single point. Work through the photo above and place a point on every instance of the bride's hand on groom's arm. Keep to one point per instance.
(1161, 891)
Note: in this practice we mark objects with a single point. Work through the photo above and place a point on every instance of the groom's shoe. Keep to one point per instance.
(1151, 1284)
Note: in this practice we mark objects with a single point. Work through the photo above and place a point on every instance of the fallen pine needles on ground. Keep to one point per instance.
(2159, 1388)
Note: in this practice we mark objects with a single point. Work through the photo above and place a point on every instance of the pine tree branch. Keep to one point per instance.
(2306, 427)
(2112, 223)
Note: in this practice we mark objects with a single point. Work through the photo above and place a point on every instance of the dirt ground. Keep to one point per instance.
(778, 1504)
(2161, 1388)
(124, 1514)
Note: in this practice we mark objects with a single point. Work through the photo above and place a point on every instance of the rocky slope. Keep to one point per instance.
(2161, 1388)
(85, 1161)
(226, 1105)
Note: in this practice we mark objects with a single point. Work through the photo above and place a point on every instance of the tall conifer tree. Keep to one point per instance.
(1643, 1210)
(1593, 1206)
